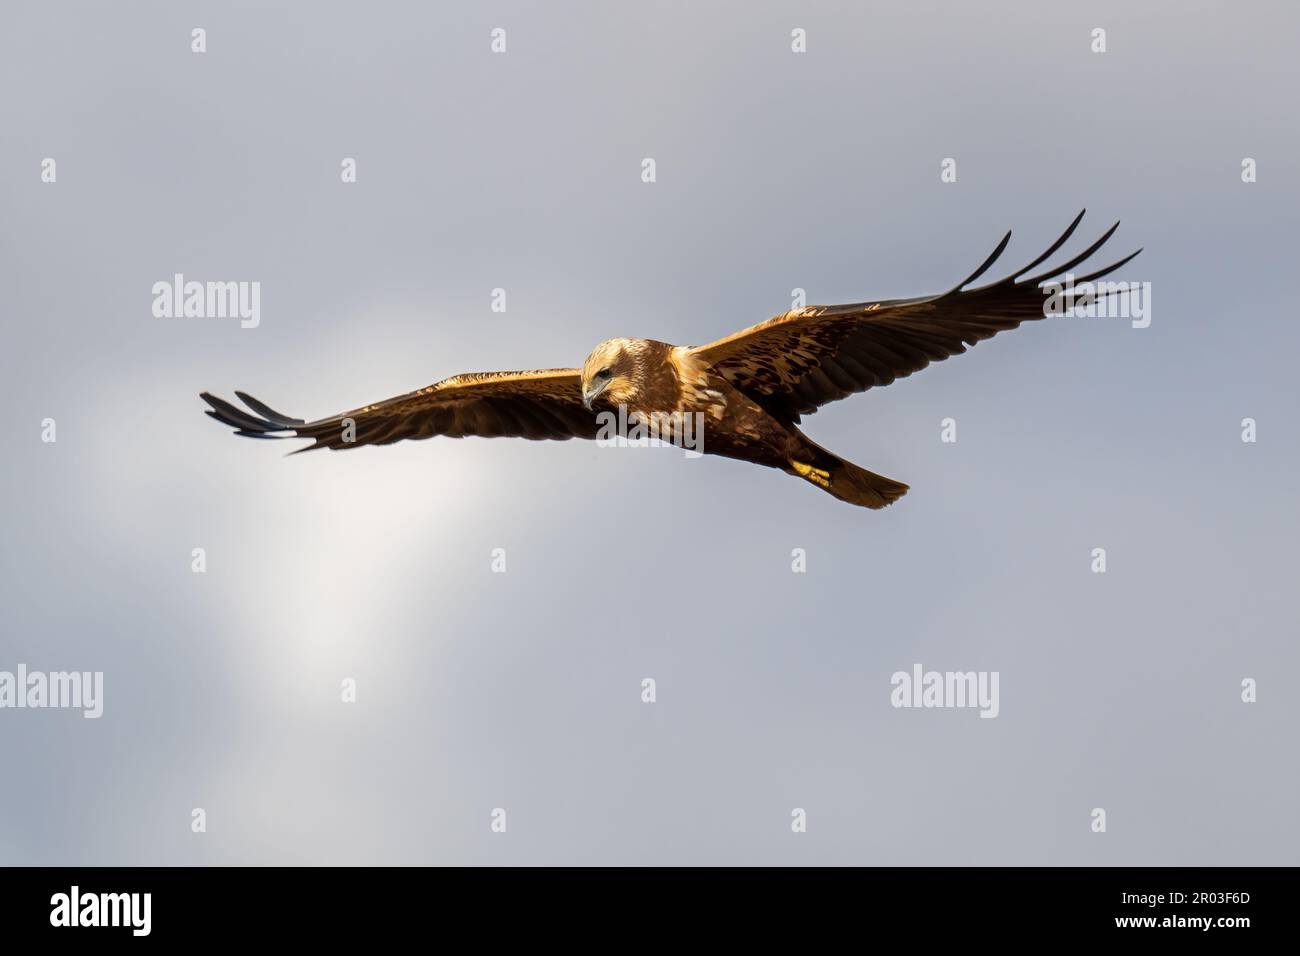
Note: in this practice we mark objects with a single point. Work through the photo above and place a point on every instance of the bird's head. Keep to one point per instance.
(613, 372)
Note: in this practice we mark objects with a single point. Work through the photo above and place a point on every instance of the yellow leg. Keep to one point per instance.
(816, 475)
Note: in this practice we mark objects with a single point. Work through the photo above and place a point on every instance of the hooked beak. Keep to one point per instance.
(591, 391)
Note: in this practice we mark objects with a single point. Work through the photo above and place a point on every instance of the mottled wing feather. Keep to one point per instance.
(794, 363)
(542, 404)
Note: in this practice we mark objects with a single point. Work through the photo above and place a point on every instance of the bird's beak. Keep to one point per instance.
(590, 391)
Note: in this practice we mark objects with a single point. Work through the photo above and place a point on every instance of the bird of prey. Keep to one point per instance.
(750, 388)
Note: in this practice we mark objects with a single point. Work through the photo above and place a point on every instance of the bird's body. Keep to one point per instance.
(747, 390)
(735, 425)
(676, 384)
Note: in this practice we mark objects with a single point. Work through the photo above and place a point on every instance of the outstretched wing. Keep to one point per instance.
(536, 405)
(795, 363)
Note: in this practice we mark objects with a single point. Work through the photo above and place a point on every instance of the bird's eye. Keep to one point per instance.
(603, 373)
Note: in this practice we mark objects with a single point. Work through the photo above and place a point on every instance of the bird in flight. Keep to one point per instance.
(748, 389)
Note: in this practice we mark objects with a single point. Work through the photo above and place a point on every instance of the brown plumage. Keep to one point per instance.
(749, 389)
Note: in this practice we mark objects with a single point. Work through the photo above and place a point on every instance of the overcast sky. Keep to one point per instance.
(522, 170)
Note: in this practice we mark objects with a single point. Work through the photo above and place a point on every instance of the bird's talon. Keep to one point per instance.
(817, 476)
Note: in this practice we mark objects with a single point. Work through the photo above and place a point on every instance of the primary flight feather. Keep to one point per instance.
(748, 389)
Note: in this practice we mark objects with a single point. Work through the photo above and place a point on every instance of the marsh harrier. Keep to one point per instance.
(748, 389)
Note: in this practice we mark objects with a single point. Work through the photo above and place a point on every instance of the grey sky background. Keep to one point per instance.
(479, 690)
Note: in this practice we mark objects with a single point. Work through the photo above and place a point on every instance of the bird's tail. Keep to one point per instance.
(847, 482)
(858, 486)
